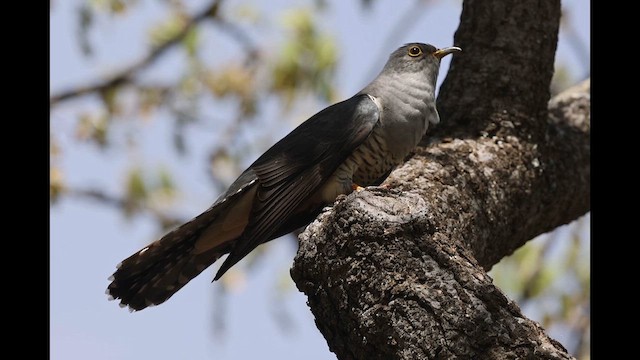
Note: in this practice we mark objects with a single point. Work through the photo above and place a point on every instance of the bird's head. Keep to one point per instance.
(417, 58)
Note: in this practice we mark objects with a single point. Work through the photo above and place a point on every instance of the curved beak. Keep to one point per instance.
(440, 53)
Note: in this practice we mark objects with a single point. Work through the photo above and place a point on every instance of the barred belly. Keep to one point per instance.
(368, 163)
(373, 160)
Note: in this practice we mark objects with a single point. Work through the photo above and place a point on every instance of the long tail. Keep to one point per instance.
(153, 274)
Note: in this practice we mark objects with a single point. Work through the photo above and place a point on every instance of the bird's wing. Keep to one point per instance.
(299, 164)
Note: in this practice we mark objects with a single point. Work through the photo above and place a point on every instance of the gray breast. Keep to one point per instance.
(407, 109)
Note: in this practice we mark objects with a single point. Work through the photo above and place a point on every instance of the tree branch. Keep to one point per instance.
(389, 274)
(125, 75)
(504, 70)
(400, 274)
(123, 204)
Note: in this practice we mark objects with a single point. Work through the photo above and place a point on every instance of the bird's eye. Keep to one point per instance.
(415, 51)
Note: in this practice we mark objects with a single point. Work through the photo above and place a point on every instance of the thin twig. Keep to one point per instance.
(239, 35)
(98, 195)
(120, 203)
(127, 73)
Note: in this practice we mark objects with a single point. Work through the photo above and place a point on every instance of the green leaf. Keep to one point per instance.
(117, 7)
(306, 61)
(191, 41)
(149, 99)
(93, 127)
(136, 192)
(166, 186)
(109, 98)
(167, 30)
(56, 183)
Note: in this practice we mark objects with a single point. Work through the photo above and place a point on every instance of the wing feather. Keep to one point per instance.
(298, 165)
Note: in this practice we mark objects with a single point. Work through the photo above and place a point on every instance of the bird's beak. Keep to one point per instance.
(446, 51)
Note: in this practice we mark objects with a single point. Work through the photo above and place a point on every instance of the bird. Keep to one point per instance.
(349, 145)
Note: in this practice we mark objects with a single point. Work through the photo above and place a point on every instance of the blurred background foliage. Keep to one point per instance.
(549, 277)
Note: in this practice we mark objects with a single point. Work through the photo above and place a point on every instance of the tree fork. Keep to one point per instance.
(392, 274)
(400, 274)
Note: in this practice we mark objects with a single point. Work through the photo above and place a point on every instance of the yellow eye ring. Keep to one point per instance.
(415, 51)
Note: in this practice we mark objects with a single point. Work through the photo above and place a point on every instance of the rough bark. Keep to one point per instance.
(389, 273)
(399, 273)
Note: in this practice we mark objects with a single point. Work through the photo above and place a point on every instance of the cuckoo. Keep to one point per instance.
(351, 144)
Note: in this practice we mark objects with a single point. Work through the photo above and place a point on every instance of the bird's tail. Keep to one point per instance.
(152, 275)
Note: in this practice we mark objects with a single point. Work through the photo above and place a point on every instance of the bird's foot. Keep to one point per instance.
(356, 187)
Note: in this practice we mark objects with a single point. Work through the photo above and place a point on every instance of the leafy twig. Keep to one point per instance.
(127, 73)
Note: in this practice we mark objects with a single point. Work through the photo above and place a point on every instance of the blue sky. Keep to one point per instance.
(88, 239)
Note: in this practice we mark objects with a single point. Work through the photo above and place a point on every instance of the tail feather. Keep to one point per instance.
(153, 274)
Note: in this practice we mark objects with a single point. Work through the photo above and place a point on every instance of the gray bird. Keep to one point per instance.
(356, 142)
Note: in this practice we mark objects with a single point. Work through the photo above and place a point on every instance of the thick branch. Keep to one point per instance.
(505, 67)
(500, 191)
(398, 274)
(128, 72)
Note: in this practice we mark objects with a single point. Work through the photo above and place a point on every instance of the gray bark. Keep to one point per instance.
(399, 272)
